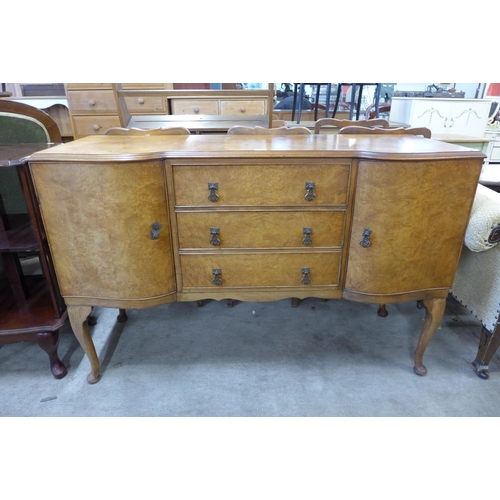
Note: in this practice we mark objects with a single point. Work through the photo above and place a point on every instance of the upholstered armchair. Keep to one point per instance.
(477, 281)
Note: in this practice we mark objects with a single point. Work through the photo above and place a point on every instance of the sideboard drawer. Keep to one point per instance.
(195, 107)
(261, 185)
(97, 101)
(93, 125)
(263, 270)
(256, 107)
(145, 104)
(257, 229)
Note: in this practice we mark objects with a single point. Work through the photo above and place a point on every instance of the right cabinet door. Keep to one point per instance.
(415, 213)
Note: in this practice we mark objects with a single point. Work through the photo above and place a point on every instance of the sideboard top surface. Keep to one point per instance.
(126, 148)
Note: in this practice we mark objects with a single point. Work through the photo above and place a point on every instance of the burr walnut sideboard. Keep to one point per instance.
(135, 222)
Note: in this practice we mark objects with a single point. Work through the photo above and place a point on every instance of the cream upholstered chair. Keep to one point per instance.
(336, 123)
(146, 132)
(477, 281)
(242, 130)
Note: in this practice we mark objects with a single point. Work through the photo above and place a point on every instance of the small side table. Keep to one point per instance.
(31, 307)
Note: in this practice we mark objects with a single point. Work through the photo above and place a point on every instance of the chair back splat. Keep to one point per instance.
(336, 123)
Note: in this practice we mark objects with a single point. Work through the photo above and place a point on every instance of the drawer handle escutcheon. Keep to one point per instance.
(214, 231)
(310, 191)
(213, 186)
(365, 242)
(307, 238)
(217, 279)
(305, 276)
(155, 230)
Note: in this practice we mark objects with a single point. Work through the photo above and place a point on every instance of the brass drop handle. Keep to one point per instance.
(305, 276)
(217, 279)
(214, 231)
(365, 241)
(155, 230)
(307, 238)
(310, 196)
(212, 187)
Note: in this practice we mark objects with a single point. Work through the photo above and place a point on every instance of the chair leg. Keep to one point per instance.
(337, 100)
(294, 105)
(318, 87)
(377, 99)
(328, 92)
(353, 101)
(488, 345)
(360, 98)
(299, 106)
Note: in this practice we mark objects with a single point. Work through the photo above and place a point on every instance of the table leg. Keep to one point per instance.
(434, 315)
(78, 318)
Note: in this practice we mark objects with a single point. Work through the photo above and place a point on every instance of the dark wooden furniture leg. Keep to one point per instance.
(49, 341)
(382, 311)
(122, 316)
(488, 345)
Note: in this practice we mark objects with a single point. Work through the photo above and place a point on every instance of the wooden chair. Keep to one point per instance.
(276, 122)
(24, 124)
(357, 105)
(370, 111)
(21, 123)
(146, 132)
(382, 311)
(336, 123)
(242, 130)
(424, 131)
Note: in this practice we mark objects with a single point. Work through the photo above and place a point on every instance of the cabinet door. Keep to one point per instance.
(417, 212)
(98, 218)
(431, 114)
(468, 118)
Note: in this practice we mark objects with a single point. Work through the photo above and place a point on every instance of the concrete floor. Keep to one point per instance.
(325, 359)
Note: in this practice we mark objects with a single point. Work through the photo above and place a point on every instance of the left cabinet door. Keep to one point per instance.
(99, 219)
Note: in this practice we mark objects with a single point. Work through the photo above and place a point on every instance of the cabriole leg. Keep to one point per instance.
(78, 319)
(434, 314)
(488, 345)
(49, 341)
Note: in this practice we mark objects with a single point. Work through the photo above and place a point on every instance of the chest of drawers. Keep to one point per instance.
(148, 220)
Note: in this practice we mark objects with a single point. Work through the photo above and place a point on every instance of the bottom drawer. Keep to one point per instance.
(260, 270)
(93, 125)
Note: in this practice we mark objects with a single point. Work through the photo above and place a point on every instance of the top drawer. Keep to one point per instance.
(91, 101)
(256, 107)
(261, 185)
(195, 107)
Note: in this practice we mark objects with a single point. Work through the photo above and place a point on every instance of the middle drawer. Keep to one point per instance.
(259, 229)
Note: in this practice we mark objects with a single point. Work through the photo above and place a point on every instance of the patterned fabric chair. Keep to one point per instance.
(477, 281)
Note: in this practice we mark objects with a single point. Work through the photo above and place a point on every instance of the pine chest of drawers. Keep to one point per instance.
(143, 221)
